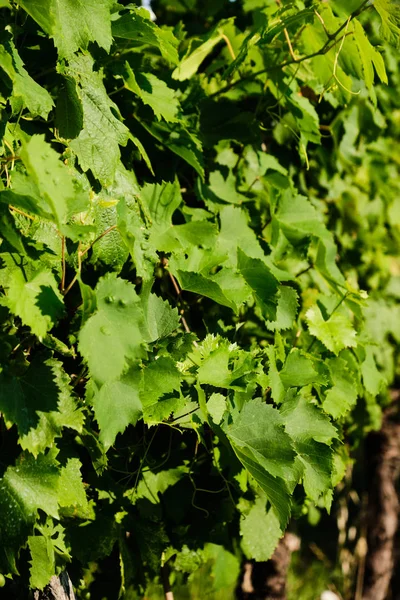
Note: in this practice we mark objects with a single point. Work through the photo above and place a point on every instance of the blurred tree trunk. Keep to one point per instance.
(383, 468)
(267, 580)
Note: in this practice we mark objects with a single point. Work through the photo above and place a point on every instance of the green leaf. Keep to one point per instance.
(26, 92)
(274, 379)
(154, 92)
(161, 201)
(71, 492)
(97, 145)
(154, 484)
(42, 561)
(299, 220)
(261, 444)
(260, 531)
(179, 140)
(286, 310)
(265, 286)
(191, 62)
(336, 333)
(373, 380)
(24, 489)
(111, 339)
(299, 371)
(160, 319)
(116, 405)
(389, 12)
(370, 57)
(137, 27)
(216, 407)
(225, 188)
(343, 394)
(198, 284)
(40, 403)
(73, 23)
(312, 434)
(36, 300)
(61, 192)
(161, 377)
(236, 233)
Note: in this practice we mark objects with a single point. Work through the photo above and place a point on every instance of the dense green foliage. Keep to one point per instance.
(186, 363)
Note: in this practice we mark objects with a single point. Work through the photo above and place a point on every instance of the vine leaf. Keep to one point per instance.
(39, 403)
(60, 191)
(111, 338)
(312, 434)
(342, 396)
(261, 444)
(36, 300)
(102, 133)
(73, 23)
(154, 92)
(26, 92)
(389, 12)
(260, 531)
(116, 405)
(137, 27)
(336, 333)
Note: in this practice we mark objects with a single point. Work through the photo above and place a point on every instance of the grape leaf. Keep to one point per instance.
(73, 23)
(198, 284)
(97, 145)
(299, 371)
(261, 444)
(61, 192)
(71, 491)
(116, 405)
(26, 92)
(42, 561)
(265, 286)
(260, 531)
(336, 333)
(389, 12)
(286, 309)
(216, 406)
(137, 27)
(154, 92)
(160, 378)
(160, 319)
(24, 489)
(342, 396)
(312, 434)
(373, 380)
(35, 300)
(370, 56)
(111, 339)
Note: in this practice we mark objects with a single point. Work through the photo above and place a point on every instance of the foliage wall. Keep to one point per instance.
(199, 277)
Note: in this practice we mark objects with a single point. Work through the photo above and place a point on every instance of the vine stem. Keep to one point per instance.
(179, 294)
(82, 253)
(63, 263)
(329, 44)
